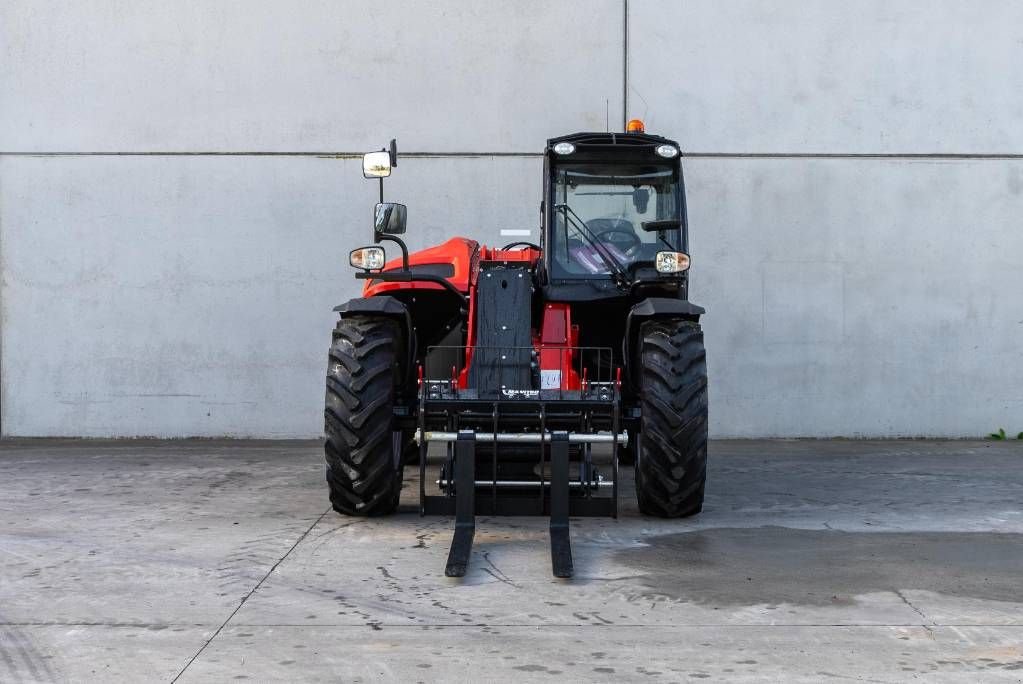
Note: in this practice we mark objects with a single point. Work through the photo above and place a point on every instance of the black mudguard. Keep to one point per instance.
(386, 307)
(651, 308)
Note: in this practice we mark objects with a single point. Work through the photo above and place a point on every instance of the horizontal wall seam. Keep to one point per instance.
(850, 155)
(324, 155)
(456, 155)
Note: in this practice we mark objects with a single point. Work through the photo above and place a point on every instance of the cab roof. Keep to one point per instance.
(611, 145)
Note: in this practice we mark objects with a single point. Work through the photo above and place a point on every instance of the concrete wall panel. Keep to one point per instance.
(867, 77)
(859, 297)
(192, 296)
(267, 76)
(175, 296)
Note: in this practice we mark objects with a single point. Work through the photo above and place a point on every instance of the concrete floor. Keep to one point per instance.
(202, 560)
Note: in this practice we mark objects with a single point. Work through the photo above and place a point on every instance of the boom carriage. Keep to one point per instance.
(520, 360)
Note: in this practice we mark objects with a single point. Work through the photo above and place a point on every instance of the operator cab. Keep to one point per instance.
(613, 203)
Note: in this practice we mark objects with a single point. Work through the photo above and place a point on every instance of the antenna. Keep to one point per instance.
(607, 115)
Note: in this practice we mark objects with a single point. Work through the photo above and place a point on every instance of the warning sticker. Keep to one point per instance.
(550, 379)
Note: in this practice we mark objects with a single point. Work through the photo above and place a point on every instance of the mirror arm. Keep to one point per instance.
(392, 155)
(381, 237)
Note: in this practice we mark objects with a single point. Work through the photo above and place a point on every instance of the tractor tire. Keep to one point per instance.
(363, 450)
(671, 463)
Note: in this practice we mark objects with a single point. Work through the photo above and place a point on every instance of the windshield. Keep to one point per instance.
(599, 210)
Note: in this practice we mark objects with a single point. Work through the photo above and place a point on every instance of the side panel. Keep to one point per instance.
(558, 369)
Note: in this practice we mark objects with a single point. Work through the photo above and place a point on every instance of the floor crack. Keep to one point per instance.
(930, 632)
(249, 595)
(497, 574)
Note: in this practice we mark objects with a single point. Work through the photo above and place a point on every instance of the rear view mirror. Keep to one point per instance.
(376, 164)
(389, 217)
(666, 224)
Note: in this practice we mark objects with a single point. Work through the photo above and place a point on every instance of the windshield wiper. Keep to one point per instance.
(620, 277)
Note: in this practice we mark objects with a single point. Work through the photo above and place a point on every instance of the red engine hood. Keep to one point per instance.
(464, 256)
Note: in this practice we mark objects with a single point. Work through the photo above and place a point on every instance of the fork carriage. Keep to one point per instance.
(519, 451)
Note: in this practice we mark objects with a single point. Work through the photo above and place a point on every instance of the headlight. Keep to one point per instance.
(672, 262)
(667, 151)
(367, 258)
(564, 148)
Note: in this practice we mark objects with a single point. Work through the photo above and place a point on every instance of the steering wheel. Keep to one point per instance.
(521, 244)
(631, 237)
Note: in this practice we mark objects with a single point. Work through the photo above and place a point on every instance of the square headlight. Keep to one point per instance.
(672, 262)
(367, 258)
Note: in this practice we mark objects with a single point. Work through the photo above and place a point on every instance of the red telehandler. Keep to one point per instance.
(522, 359)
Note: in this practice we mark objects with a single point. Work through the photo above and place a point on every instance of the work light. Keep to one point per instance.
(667, 151)
(564, 148)
(367, 258)
(672, 262)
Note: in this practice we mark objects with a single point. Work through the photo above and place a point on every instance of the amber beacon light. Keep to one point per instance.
(634, 126)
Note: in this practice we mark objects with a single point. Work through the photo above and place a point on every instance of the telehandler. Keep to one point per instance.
(521, 359)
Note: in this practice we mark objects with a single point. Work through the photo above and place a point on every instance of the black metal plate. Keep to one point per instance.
(503, 351)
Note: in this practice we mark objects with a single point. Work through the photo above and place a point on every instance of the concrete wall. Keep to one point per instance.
(177, 195)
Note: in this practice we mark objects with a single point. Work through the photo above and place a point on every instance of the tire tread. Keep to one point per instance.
(360, 391)
(671, 469)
